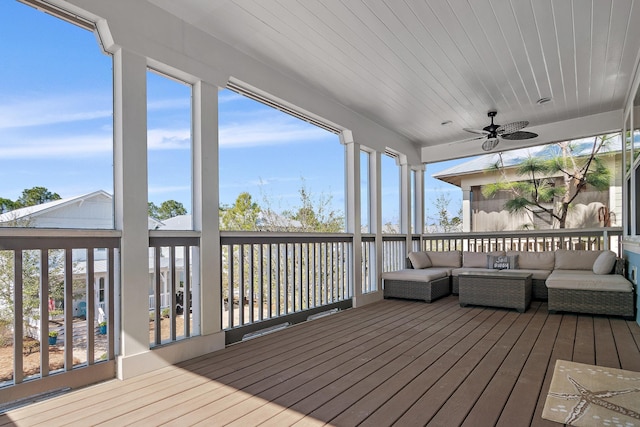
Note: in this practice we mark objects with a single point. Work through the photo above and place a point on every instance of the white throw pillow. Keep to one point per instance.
(419, 260)
(604, 263)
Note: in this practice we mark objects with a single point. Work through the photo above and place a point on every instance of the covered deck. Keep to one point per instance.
(392, 362)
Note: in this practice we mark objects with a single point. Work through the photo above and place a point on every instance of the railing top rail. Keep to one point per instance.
(57, 232)
(174, 233)
(174, 238)
(27, 239)
(573, 232)
(241, 237)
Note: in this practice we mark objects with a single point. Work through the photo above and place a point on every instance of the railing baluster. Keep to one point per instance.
(68, 309)
(44, 313)
(157, 291)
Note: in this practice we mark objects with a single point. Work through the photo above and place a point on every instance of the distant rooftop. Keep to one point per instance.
(582, 147)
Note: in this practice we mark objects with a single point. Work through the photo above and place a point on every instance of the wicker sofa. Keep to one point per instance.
(571, 280)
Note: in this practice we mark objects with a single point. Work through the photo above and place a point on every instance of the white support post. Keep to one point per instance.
(375, 181)
(466, 209)
(405, 201)
(418, 214)
(354, 215)
(206, 201)
(130, 204)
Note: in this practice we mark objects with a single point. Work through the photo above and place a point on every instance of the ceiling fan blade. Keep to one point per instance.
(490, 144)
(515, 136)
(478, 131)
(510, 128)
(473, 138)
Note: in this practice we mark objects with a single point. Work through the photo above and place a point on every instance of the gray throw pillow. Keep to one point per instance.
(502, 262)
(419, 260)
(604, 263)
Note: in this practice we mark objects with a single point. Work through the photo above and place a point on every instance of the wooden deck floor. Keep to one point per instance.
(393, 362)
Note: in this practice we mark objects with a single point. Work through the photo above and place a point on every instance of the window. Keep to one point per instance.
(56, 125)
(169, 152)
(277, 172)
(365, 192)
(390, 195)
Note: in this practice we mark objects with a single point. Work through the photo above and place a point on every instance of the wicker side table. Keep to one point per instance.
(506, 288)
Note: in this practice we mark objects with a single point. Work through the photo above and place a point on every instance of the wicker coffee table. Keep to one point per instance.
(502, 288)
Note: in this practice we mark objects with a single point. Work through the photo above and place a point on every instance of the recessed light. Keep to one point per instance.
(544, 100)
(446, 122)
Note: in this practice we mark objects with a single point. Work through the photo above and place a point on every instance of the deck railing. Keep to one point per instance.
(267, 279)
(395, 252)
(174, 286)
(271, 276)
(534, 240)
(61, 287)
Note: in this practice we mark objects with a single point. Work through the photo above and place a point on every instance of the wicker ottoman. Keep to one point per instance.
(421, 284)
(506, 288)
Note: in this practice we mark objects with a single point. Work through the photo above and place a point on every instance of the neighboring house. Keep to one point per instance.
(90, 211)
(591, 208)
(271, 221)
(94, 211)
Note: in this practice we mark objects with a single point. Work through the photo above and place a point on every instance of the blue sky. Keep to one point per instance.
(56, 129)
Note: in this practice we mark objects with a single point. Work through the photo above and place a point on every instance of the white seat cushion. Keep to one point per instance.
(588, 281)
(413, 275)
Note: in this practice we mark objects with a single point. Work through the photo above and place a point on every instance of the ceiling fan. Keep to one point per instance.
(493, 132)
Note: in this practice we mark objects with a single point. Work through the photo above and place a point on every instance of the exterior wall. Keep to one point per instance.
(632, 255)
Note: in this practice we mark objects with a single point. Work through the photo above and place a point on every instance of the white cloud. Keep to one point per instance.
(38, 111)
(57, 146)
(268, 131)
(169, 139)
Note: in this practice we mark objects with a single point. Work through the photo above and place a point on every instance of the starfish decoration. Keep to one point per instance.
(586, 397)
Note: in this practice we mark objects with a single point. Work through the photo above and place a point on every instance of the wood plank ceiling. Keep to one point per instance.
(411, 65)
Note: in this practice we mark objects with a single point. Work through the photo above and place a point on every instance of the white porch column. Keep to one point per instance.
(375, 212)
(354, 215)
(130, 204)
(205, 210)
(418, 214)
(405, 201)
(466, 209)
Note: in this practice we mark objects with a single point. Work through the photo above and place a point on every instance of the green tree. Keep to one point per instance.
(445, 222)
(152, 210)
(7, 205)
(539, 194)
(316, 215)
(242, 216)
(170, 208)
(167, 209)
(35, 196)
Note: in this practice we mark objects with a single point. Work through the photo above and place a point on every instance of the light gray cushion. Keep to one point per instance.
(474, 259)
(477, 259)
(420, 260)
(413, 275)
(445, 258)
(575, 259)
(604, 263)
(534, 260)
(586, 280)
